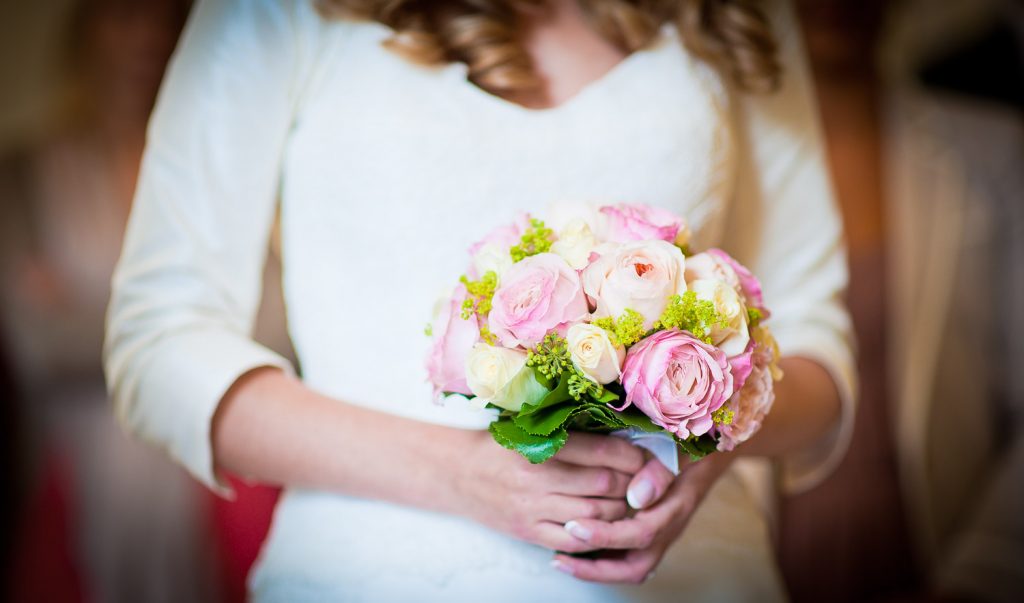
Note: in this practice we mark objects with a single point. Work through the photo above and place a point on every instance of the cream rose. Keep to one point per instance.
(575, 243)
(732, 337)
(640, 276)
(707, 266)
(500, 376)
(593, 353)
(491, 257)
(561, 213)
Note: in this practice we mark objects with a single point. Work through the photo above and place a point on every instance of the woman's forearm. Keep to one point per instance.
(271, 428)
(806, 409)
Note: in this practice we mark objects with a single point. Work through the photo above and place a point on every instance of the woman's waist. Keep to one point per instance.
(319, 534)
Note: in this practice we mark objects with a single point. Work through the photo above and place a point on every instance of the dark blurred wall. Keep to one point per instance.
(847, 540)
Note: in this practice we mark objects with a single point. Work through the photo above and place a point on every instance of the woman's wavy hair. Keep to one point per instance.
(732, 35)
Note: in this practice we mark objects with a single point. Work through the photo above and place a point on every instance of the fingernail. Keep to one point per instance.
(640, 495)
(561, 566)
(578, 531)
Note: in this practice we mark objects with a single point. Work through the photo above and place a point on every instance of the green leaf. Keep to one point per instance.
(705, 444)
(556, 396)
(697, 447)
(632, 417)
(607, 397)
(535, 449)
(604, 414)
(546, 420)
(689, 449)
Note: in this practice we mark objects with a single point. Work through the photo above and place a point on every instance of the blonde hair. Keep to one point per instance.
(732, 35)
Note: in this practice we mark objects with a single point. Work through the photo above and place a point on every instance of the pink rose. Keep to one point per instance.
(638, 222)
(454, 337)
(639, 276)
(750, 405)
(504, 236)
(537, 295)
(491, 253)
(742, 365)
(677, 381)
(748, 283)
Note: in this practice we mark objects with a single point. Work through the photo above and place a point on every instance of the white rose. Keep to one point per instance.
(733, 337)
(500, 376)
(707, 266)
(561, 214)
(639, 275)
(491, 257)
(574, 243)
(593, 353)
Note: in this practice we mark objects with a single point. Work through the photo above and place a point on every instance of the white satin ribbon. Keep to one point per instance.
(660, 444)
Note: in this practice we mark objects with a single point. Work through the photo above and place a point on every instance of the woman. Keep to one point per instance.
(387, 169)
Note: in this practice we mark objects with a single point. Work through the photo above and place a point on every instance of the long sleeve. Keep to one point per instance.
(187, 286)
(784, 225)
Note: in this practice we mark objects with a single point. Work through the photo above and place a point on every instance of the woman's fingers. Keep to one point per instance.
(633, 533)
(632, 568)
(649, 484)
(596, 450)
(553, 536)
(561, 509)
(563, 478)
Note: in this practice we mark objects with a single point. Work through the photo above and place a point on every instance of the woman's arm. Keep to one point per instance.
(271, 427)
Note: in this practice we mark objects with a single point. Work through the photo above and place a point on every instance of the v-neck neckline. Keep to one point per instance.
(607, 79)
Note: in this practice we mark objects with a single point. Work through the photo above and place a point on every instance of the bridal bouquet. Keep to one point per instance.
(604, 321)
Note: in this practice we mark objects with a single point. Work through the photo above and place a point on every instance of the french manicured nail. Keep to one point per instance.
(640, 495)
(578, 531)
(561, 566)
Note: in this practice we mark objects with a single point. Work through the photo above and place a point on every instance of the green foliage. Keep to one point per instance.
(687, 313)
(580, 385)
(550, 413)
(479, 294)
(550, 357)
(626, 330)
(697, 447)
(536, 239)
(754, 317)
(552, 361)
(487, 336)
(428, 330)
(535, 448)
(723, 416)
(632, 417)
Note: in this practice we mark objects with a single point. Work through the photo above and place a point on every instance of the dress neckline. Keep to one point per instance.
(607, 80)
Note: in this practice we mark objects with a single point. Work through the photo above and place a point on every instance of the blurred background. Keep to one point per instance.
(922, 107)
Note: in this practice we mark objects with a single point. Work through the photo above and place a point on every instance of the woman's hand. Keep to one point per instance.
(636, 545)
(588, 478)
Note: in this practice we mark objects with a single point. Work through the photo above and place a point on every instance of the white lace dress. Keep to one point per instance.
(386, 172)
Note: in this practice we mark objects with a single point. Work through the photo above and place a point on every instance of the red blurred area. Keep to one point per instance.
(240, 527)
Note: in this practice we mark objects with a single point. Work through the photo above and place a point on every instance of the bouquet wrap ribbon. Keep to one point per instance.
(660, 444)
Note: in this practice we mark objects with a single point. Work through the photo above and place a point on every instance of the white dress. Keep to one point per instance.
(386, 172)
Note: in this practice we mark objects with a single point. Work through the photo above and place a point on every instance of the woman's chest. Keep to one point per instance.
(382, 148)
